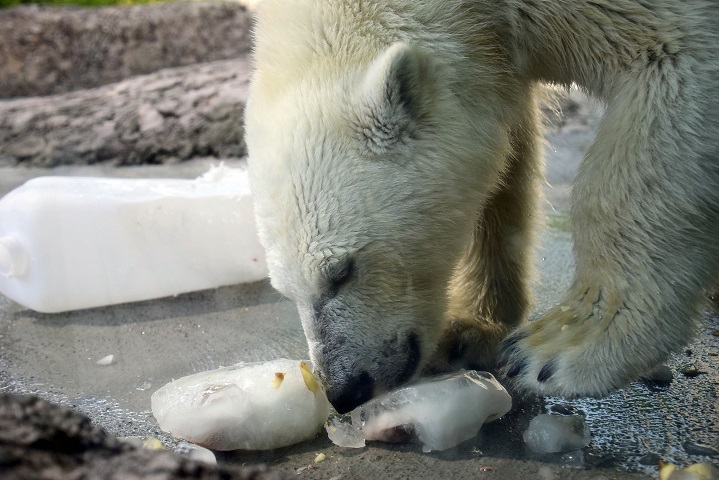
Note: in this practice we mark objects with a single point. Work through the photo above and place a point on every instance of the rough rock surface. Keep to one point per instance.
(173, 114)
(49, 50)
(39, 440)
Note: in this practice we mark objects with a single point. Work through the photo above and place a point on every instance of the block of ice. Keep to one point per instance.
(344, 434)
(196, 452)
(557, 433)
(258, 406)
(68, 243)
(440, 411)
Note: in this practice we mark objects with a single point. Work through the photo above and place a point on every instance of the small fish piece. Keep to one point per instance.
(279, 378)
(309, 378)
(151, 443)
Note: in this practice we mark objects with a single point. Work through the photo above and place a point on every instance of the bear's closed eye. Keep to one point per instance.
(340, 275)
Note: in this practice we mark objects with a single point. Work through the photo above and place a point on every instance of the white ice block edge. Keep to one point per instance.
(70, 243)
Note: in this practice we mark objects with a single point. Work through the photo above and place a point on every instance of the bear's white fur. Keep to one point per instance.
(395, 154)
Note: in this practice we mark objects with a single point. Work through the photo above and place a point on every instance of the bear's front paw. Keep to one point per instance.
(576, 350)
(468, 344)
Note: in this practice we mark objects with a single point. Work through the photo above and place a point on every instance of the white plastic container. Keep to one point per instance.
(69, 243)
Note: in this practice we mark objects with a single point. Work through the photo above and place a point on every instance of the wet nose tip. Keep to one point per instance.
(351, 393)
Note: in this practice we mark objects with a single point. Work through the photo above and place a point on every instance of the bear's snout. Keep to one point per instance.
(350, 392)
(393, 365)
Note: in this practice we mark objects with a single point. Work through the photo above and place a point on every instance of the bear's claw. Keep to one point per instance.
(516, 368)
(508, 349)
(573, 349)
(553, 356)
(547, 371)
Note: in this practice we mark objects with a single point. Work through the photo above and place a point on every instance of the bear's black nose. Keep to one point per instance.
(351, 392)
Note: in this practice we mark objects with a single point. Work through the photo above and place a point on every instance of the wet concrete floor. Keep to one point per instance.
(153, 342)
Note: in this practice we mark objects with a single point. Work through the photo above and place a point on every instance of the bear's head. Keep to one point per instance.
(367, 175)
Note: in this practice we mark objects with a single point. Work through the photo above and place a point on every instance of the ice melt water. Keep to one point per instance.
(69, 243)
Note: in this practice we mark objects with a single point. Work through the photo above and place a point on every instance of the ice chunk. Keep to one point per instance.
(106, 360)
(557, 433)
(440, 411)
(244, 406)
(573, 459)
(196, 452)
(69, 243)
(343, 434)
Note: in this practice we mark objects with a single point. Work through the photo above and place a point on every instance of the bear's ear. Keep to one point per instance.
(396, 95)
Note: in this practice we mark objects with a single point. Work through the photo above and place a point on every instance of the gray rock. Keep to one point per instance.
(694, 448)
(171, 115)
(39, 440)
(659, 375)
(50, 50)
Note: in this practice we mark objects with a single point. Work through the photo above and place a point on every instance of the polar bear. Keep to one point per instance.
(395, 154)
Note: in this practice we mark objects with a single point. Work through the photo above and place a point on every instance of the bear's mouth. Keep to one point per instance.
(348, 391)
(391, 377)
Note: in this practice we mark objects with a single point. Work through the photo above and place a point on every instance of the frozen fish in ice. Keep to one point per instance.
(440, 411)
(257, 406)
(557, 433)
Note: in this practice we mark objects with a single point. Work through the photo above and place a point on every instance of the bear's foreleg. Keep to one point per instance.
(644, 218)
(489, 293)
